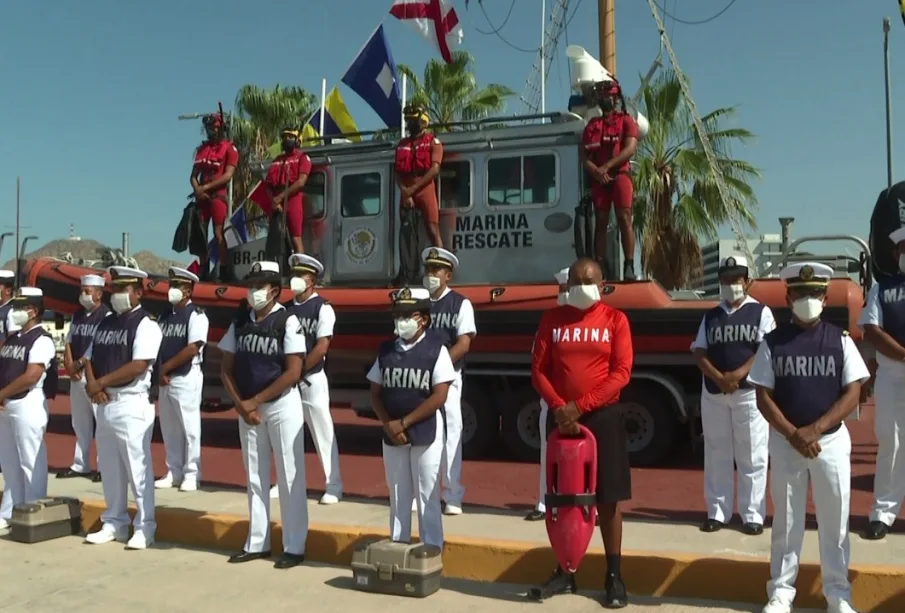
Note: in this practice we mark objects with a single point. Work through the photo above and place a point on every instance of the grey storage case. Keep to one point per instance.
(401, 569)
(45, 519)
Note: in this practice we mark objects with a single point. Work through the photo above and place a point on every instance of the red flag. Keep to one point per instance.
(435, 20)
(260, 197)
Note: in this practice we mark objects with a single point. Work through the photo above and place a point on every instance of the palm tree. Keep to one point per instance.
(449, 92)
(677, 203)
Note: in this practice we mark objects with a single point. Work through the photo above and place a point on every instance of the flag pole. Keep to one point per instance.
(323, 106)
(543, 59)
(404, 94)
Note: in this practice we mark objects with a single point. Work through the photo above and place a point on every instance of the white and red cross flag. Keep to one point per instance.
(435, 20)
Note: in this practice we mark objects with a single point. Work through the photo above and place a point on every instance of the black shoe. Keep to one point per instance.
(535, 515)
(876, 530)
(96, 477)
(616, 596)
(753, 529)
(560, 583)
(71, 474)
(712, 525)
(247, 556)
(628, 271)
(289, 560)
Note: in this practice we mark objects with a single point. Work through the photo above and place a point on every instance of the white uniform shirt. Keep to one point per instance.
(443, 371)
(198, 327)
(41, 352)
(872, 314)
(767, 323)
(465, 323)
(146, 346)
(326, 320)
(293, 337)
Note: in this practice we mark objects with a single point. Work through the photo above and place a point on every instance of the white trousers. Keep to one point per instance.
(23, 453)
(282, 431)
(179, 406)
(413, 472)
(734, 431)
(830, 474)
(451, 462)
(84, 418)
(542, 428)
(889, 426)
(316, 405)
(124, 428)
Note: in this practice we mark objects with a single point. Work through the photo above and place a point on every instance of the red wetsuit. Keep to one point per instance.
(602, 140)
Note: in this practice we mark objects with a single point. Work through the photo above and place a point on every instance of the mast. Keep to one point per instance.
(606, 30)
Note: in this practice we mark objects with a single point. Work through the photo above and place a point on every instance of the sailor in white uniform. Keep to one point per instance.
(410, 380)
(7, 285)
(453, 322)
(883, 322)
(808, 375)
(78, 339)
(539, 512)
(118, 368)
(263, 354)
(26, 355)
(184, 329)
(735, 433)
(317, 318)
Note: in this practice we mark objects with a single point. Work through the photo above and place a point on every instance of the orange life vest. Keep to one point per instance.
(603, 137)
(413, 155)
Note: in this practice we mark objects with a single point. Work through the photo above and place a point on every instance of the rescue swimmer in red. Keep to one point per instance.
(582, 359)
(286, 177)
(215, 163)
(417, 165)
(608, 144)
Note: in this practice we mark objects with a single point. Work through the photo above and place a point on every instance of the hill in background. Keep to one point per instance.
(89, 252)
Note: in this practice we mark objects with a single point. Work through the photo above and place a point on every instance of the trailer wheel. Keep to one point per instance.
(480, 422)
(521, 430)
(650, 423)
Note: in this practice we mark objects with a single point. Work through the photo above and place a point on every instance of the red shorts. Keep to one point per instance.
(294, 215)
(618, 193)
(215, 209)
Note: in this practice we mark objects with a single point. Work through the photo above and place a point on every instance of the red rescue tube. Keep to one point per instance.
(571, 498)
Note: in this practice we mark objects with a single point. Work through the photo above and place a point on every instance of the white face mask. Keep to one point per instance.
(406, 328)
(732, 293)
(583, 296)
(298, 285)
(175, 295)
(431, 284)
(120, 302)
(86, 301)
(902, 262)
(807, 309)
(19, 318)
(257, 298)
(562, 298)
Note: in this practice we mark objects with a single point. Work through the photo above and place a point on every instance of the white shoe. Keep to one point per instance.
(166, 482)
(451, 509)
(275, 492)
(841, 606)
(188, 485)
(107, 535)
(776, 606)
(414, 506)
(330, 499)
(139, 541)
(4, 525)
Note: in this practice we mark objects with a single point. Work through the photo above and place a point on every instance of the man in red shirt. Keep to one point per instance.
(607, 147)
(286, 177)
(417, 165)
(582, 359)
(215, 163)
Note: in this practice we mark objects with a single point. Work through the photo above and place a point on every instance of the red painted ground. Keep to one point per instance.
(667, 493)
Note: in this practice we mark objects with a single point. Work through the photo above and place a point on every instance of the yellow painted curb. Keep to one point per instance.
(876, 589)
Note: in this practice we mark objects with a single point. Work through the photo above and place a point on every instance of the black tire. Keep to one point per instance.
(520, 430)
(651, 423)
(480, 422)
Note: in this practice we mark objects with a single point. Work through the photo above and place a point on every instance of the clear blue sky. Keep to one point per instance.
(92, 91)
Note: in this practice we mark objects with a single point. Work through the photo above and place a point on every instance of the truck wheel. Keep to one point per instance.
(480, 422)
(521, 431)
(650, 423)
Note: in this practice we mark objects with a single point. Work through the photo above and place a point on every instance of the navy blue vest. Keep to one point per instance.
(174, 325)
(445, 320)
(731, 340)
(309, 313)
(807, 367)
(406, 384)
(4, 311)
(113, 340)
(14, 357)
(260, 359)
(891, 292)
(81, 330)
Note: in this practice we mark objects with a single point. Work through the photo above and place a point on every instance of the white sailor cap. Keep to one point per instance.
(181, 274)
(439, 256)
(562, 277)
(301, 263)
(411, 299)
(28, 295)
(124, 275)
(7, 276)
(807, 274)
(733, 264)
(92, 281)
(264, 270)
(897, 236)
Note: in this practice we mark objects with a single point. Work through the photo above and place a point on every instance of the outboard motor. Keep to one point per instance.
(888, 216)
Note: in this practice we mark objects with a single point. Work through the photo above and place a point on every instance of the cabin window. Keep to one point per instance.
(521, 180)
(315, 195)
(360, 194)
(454, 186)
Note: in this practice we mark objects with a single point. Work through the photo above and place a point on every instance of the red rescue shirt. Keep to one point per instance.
(582, 356)
(603, 137)
(285, 170)
(211, 160)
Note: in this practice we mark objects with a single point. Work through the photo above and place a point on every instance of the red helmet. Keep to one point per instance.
(214, 120)
(607, 88)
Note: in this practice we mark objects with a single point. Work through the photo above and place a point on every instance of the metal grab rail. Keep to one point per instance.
(792, 247)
